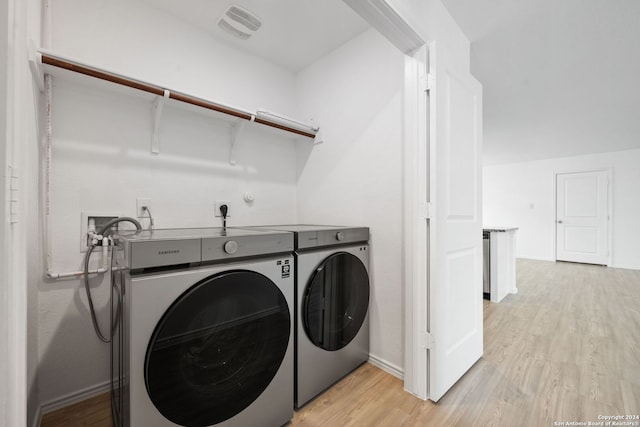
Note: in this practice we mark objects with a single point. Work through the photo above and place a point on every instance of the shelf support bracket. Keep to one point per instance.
(236, 132)
(156, 110)
(35, 65)
(319, 138)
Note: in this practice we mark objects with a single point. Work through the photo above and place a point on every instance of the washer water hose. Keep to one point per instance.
(105, 230)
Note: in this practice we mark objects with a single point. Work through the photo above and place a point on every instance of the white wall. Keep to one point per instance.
(151, 45)
(355, 177)
(102, 161)
(523, 195)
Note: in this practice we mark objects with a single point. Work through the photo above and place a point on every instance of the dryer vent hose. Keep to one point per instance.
(105, 231)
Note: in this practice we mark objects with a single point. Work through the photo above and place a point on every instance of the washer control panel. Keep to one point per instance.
(175, 248)
(244, 246)
(231, 247)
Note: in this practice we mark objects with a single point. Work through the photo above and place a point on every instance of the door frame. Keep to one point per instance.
(6, 353)
(416, 228)
(417, 166)
(14, 125)
(415, 127)
(609, 172)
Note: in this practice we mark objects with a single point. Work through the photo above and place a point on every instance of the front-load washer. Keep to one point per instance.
(203, 330)
(332, 301)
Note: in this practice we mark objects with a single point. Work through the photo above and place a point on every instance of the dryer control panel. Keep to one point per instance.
(308, 239)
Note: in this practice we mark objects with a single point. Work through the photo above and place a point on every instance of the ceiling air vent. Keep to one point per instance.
(239, 22)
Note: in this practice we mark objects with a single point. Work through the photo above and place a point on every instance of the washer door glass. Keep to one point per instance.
(335, 301)
(217, 348)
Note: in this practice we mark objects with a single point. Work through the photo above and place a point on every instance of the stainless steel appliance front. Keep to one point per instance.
(332, 301)
(203, 340)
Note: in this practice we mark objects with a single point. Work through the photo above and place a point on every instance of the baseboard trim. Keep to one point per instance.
(70, 399)
(534, 258)
(37, 418)
(394, 370)
(625, 267)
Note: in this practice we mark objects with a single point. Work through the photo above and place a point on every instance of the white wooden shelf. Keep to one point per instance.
(47, 62)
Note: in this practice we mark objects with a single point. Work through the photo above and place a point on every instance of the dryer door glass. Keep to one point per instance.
(217, 348)
(335, 301)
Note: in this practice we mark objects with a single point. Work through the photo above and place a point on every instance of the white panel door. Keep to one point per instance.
(582, 202)
(455, 227)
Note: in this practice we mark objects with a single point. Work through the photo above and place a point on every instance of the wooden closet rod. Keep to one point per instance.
(159, 91)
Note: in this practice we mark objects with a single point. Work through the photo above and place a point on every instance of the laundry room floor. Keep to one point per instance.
(354, 398)
(565, 348)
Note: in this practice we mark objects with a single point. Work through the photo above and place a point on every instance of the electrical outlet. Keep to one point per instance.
(219, 203)
(140, 202)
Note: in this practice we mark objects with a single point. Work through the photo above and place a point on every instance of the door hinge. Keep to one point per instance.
(425, 210)
(426, 340)
(429, 82)
(13, 195)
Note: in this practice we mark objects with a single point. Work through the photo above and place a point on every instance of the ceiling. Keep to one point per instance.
(294, 33)
(560, 77)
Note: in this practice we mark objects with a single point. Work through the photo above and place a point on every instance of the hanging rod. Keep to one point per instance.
(59, 62)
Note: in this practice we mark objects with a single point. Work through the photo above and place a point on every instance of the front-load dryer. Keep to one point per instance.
(332, 302)
(204, 328)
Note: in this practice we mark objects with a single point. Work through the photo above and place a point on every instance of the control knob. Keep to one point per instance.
(340, 235)
(231, 247)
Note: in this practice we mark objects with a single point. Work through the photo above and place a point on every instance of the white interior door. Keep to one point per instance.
(582, 213)
(455, 226)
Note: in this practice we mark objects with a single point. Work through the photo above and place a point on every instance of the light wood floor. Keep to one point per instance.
(565, 348)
